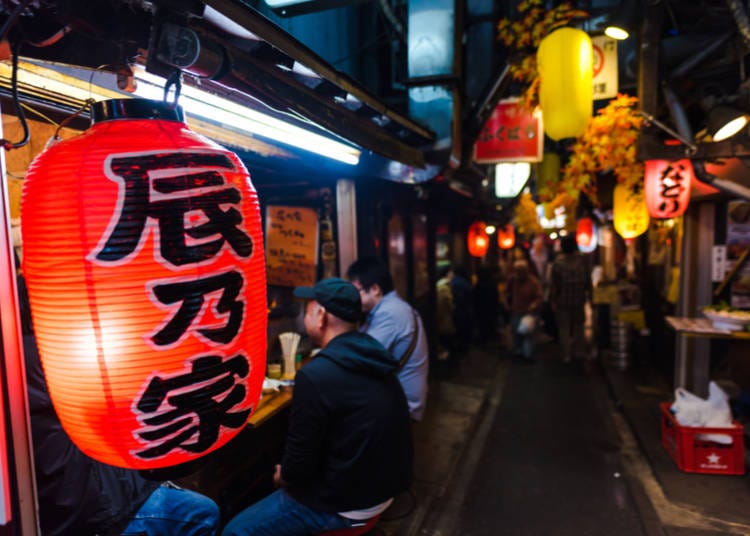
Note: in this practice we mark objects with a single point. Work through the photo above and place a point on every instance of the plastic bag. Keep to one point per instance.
(526, 325)
(692, 410)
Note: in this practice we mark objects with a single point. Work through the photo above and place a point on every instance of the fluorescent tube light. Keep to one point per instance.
(207, 106)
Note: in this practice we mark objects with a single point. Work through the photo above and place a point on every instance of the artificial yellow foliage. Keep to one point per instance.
(609, 144)
(525, 216)
(522, 37)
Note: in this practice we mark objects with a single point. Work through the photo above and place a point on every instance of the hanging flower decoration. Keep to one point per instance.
(522, 36)
(525, 216)
(609, 144)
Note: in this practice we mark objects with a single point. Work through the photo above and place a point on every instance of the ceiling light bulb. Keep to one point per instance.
(731, 128)
(615, 32)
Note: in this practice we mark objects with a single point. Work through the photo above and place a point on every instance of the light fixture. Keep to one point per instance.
(622, 21)
(490, 229)
(205, 105)
(510, 177)
(155, 298)
(724, 121)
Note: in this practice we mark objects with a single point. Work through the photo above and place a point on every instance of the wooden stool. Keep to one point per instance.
(354, 531)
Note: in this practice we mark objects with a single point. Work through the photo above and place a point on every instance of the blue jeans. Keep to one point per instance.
(279, 514)
(170, 510)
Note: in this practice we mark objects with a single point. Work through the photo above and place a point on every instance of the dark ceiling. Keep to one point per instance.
(693, 50)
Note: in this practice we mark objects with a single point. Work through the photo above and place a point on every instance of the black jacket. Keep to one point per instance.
(77, 495)
(349, 445)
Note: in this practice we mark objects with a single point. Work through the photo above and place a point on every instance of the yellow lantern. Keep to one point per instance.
(630, 212)
(548, 176)
(566, 90)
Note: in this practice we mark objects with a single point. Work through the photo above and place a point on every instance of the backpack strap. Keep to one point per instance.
(412, 344)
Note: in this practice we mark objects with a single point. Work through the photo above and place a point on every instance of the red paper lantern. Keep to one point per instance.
(506, 237)
(478, 239)
(667, 187)
(144, 261)
(586, 235)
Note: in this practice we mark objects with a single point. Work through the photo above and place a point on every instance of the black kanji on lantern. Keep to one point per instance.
(187, 411)
(192, 295)
(172, 188)
(671, 186)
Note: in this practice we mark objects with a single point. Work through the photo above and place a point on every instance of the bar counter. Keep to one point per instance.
(241, 472)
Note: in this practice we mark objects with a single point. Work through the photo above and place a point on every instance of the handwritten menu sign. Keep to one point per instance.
(291, 245)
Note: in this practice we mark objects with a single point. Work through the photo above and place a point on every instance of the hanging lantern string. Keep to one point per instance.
(175, 79)
(75, 114)
(7, 144)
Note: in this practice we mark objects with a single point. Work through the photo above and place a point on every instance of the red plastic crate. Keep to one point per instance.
(695, 455)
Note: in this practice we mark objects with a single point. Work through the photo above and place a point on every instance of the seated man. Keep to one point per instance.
(395, 325)
(81, 496)
(348, 450)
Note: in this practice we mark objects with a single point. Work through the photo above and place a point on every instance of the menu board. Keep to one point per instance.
(291, 245)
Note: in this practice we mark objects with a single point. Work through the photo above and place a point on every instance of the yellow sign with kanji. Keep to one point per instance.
(291, 245)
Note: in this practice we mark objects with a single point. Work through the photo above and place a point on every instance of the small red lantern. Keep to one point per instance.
(144, 261)
(586, 235)
(506, 237)
(478, 239)
(667, 187)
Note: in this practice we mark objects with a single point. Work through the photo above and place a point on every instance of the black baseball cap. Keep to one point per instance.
(338, 296)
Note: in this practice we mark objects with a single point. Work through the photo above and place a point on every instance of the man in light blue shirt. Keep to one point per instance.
(396, 325)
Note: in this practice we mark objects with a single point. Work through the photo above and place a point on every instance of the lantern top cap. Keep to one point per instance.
(108, 110)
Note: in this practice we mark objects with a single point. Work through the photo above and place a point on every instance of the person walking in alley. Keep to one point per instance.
(396, 325)
(570, 289)
(348, 448)
(463, 308)
(486, 304)
(524, 298)
(444, 313)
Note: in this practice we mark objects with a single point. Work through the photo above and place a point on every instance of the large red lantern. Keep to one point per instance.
(667, 187)
(586, 235)
(478, 240)
(506, 237)
(143, 255)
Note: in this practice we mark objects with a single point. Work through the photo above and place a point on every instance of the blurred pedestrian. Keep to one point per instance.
(570, 289)
(444, 313)
(463, 308)
(486, 304)
(524, 299)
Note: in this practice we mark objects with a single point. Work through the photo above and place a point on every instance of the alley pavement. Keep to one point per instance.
(509, 447)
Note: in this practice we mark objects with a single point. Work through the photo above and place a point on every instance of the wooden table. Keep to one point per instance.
(269, 405)
(703, 327)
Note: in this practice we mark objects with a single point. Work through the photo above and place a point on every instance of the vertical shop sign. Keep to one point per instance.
(291, 245)
(605, 67)
(511, 134)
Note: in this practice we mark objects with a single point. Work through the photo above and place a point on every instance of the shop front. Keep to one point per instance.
(323, 183)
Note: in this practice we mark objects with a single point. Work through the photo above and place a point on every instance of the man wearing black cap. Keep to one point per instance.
(348, 450)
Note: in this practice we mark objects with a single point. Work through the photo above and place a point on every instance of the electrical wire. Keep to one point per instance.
(54, 38)
(12, 19)
(72, 116)
(39, 114)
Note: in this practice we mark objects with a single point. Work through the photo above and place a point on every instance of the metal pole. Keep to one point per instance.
(15, 383)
